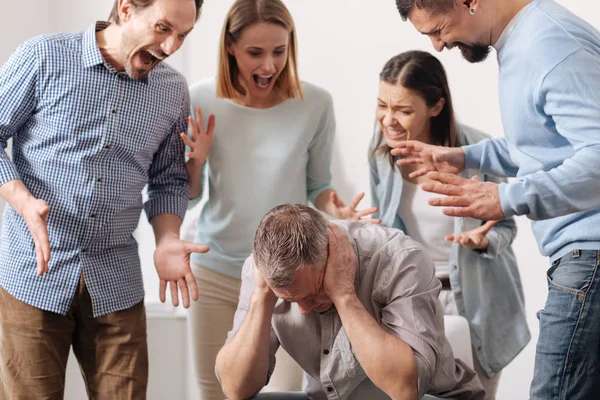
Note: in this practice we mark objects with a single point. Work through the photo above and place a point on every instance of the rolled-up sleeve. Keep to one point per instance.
(168, 188)
(409, 290)
(320, 151)
(18, 85)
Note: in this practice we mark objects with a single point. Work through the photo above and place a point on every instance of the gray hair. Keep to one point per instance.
(437, 6)
(289, 237)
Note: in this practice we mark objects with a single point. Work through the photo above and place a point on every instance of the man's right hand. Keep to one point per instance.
(432, 158)
(35, 213)
(262, 289)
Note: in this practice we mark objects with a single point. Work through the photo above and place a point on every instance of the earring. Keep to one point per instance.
(472, 11)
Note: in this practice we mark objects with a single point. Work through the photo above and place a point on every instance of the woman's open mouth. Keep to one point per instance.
(263, 81)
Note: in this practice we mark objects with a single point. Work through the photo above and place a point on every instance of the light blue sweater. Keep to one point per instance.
(549, 86)
(260, 158)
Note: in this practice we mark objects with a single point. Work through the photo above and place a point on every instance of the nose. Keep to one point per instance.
(269, 65)
(388, 118)
(170, 45)
(438, 44)
(305, 306)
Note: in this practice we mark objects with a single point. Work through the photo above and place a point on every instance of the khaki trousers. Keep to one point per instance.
(111, 350)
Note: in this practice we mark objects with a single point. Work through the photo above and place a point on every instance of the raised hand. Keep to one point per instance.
(340, 270)
(474, 239)
(261, 288)
(466, 197)
(200, 141)
(172, 261)
(430, 157)
(349, 212)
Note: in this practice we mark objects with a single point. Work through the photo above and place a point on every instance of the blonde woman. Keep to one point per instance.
(271, 144)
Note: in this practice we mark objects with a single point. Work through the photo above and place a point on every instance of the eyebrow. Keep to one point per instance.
(394, 105)
(260, 48)
(170, 25)
(431, 32)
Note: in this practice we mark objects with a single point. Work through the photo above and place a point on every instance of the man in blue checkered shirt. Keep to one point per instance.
(94, 117)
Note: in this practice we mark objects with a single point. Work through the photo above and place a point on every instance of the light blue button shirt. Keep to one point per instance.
(87, 139)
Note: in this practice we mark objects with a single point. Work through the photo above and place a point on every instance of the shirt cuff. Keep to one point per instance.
(473, 154)
(176, 205)
(8, 170)
(512, 199)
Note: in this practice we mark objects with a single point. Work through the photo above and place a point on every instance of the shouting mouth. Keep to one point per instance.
(263, 81)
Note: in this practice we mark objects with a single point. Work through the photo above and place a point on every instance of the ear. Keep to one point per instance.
(437, 109)
(125, 10)
(230, 48)
(470, 4)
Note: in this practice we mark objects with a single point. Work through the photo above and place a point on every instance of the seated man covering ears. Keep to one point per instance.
(356, 305)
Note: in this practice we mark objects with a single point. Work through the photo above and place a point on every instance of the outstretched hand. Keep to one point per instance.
(474, 239)
(465, 197)
(432, 158)
(172, 261)
(349, 212)
(201, 139)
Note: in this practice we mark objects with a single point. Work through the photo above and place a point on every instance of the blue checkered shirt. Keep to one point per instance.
(87, 139)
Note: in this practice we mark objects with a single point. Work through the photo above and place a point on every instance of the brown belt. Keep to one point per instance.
(445, 283)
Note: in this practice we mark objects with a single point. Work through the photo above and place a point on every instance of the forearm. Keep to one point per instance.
(397, 375)
(165, 225)
(16, 194)
(194, 173)
(324, 203)
(243, 363)
(490, 156)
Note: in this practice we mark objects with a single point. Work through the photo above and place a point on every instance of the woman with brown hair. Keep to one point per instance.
(473, 258)
(272, 144)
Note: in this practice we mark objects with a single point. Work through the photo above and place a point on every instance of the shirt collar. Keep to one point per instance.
(91, 53)
(511, 25)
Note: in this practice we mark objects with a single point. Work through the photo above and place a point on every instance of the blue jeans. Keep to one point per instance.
(567, 361)
(281, 396)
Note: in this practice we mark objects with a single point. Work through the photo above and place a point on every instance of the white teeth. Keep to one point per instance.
(266, 76)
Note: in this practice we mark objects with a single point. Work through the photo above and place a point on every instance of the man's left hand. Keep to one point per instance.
(172, 261)
(466, 197)
(340, 271)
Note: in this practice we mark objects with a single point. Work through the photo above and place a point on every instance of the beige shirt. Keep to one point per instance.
(395, 282)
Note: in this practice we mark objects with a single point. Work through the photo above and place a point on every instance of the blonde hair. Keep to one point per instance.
(242, 14)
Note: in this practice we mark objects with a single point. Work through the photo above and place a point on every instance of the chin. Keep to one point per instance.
(391, 143)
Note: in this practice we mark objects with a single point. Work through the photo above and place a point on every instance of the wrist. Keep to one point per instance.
(264, 298)
(166, 236)
(343, 300)
(482, 247)
(195, 163)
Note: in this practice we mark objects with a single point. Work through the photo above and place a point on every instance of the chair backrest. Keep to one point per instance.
(459, 336)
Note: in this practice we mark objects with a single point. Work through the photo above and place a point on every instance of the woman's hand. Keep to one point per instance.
(200, 141)
(474, 239)
(349, 212)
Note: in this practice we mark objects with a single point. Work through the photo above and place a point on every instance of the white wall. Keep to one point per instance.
(342, 45)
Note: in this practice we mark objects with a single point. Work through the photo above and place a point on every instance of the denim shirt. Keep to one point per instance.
(486, 286)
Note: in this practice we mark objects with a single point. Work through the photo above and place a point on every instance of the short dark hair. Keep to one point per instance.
(140, 5)
(438, 6)
(424, 74)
